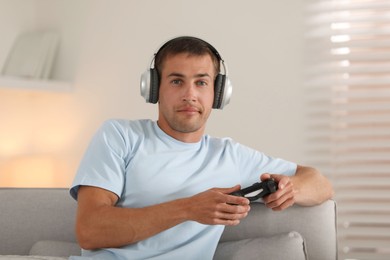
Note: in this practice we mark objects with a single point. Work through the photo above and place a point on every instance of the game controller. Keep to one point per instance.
(257, 190)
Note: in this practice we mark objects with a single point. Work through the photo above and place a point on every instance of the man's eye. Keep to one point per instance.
(176, 82)
(201, 83)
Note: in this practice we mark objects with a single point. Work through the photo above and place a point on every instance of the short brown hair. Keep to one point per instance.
(186, 44)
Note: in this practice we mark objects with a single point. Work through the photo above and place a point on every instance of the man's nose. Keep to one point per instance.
(189, 93)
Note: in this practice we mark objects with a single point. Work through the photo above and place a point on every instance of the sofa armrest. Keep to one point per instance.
(316, 224)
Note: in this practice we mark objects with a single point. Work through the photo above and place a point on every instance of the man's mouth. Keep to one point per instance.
(189, 109)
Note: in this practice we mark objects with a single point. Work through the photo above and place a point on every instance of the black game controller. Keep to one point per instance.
(257, 190)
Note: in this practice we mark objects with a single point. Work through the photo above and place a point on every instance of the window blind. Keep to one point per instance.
(347, 81)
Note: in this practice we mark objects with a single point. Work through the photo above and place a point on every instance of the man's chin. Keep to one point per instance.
(187, 127)
(187, 130)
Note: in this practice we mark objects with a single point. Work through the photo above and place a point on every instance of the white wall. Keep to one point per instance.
(261, 42)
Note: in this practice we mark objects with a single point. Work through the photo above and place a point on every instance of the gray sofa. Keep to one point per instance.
(41, 222)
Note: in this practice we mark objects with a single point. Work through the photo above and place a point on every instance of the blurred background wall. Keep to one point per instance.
(106, 45)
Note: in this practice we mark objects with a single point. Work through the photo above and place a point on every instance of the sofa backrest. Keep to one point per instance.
(30, 215)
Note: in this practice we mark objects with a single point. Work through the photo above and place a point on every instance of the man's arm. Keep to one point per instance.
(307, 187)
(101, 224)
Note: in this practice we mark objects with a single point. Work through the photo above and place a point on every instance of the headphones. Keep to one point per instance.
(222, 86)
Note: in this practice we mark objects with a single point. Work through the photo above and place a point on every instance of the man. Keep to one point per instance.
(160, 190)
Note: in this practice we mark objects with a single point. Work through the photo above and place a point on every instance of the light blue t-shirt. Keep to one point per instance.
(144, 166)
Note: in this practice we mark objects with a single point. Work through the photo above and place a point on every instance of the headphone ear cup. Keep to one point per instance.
(223, 89)
(149, 86)
(145, 85)
(219, 85)
(154, 86)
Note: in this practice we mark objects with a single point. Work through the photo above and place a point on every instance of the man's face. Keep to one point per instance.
(186, 95)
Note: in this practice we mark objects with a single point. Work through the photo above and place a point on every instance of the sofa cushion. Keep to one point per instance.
(291, 247)
(55, 248)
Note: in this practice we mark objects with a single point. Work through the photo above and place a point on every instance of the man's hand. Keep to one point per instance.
(217, 207)
(284, 196)
(308, 187)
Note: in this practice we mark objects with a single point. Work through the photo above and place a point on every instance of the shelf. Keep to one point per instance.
(33, 84)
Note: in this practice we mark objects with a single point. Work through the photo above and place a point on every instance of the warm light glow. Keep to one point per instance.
(37, 139)
(32, 171)
(11, 145)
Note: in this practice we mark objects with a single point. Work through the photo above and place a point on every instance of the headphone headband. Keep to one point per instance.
(211, 47)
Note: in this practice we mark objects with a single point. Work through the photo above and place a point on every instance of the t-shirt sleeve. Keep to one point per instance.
(103, 164)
